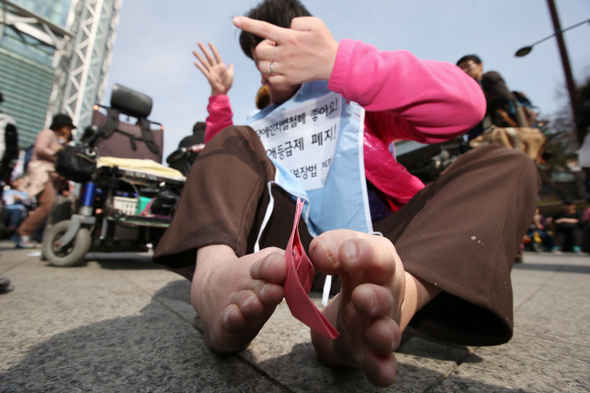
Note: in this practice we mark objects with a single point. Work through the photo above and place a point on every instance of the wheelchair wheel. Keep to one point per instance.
(70, 255)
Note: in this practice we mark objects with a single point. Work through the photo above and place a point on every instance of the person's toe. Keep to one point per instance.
(249, 305)
(344, 251)
(383, 335)
(271, 268)
(380, 369)
(269, 294)
(372, 300)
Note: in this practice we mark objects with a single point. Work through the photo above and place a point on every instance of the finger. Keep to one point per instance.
(207, 53)
(264, 67)
(204, 62)
(267, 50)
(260, 28)
(305, 23)
(276, 77)
(216, 53)
(202, 69)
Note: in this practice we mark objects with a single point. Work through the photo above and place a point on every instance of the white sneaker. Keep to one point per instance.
(25, 241)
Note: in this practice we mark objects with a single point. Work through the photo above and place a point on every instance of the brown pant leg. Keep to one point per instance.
(31, 225)
(461, 233)
(224, 201)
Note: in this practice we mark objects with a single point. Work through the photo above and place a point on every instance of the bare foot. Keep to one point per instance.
(377, 300)
(235, 296)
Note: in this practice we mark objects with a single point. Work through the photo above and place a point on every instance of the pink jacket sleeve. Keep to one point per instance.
(407, 98)
(220, 116)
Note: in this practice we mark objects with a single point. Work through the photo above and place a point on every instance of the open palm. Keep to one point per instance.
(220, 76)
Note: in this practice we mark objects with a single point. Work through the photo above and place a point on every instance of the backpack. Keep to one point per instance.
(522, 103)
(8, 145)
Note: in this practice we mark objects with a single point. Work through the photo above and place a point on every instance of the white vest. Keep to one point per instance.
(315, 140)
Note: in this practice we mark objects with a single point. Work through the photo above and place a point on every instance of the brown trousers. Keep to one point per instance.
(35, 220)
(460, 233)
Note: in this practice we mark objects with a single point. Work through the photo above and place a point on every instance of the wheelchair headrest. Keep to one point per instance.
(130, 102)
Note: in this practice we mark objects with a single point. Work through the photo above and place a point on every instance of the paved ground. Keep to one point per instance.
(125, 325)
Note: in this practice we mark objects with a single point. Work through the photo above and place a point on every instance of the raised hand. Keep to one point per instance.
(303, 53)
(220, 76)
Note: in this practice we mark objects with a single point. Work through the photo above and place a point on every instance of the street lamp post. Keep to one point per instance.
(571, 86)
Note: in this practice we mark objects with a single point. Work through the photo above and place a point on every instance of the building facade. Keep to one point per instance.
(54, 58)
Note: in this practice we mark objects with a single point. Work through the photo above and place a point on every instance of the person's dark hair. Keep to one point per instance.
(199, 127)
(277, 12)
(1, 98)
(475, 58)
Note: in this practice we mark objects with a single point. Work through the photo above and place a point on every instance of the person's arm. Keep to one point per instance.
(428, 101)
(496, 92)
(220, 116)
(43, 145)
(423, 100)
(221, 78)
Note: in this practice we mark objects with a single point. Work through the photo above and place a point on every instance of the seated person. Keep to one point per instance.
(568, 228)
(537, 234)
(17, 203)
(197, 138)
(431, 266)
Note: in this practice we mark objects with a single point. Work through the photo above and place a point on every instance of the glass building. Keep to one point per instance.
(54, 58)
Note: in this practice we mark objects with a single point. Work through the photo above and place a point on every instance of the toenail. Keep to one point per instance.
(249, 300)
(373, 303)
(350, 250)
(269, 260)
(328, 245)
(264, 289)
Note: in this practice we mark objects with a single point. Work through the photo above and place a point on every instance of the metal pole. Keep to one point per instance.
(571, 86)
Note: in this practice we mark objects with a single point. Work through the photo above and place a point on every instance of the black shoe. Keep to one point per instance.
(4, 282)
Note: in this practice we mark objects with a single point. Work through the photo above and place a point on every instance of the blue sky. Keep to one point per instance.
(155, 39)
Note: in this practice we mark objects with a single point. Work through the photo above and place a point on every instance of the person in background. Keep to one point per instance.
(537, 235)
(17, 203)
(41, 180)
(568, 228)
(197, 138)
(496, 92)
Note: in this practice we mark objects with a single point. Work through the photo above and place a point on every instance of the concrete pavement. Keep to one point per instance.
(122, 324)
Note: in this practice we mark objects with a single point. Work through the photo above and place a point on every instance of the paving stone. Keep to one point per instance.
(523, 365)
(126, 325)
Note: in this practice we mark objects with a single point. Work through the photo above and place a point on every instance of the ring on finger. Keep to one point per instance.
(272, 71)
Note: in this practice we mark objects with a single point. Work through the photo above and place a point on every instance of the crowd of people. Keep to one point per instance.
(29, 196)
(404, 253)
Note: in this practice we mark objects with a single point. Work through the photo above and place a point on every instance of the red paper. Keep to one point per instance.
(300, 273)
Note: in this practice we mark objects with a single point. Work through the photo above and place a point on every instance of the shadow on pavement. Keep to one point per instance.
(554, 267)
(151, 352)
(157, 351)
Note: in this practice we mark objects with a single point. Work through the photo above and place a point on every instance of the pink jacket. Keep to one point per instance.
(404, 97)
